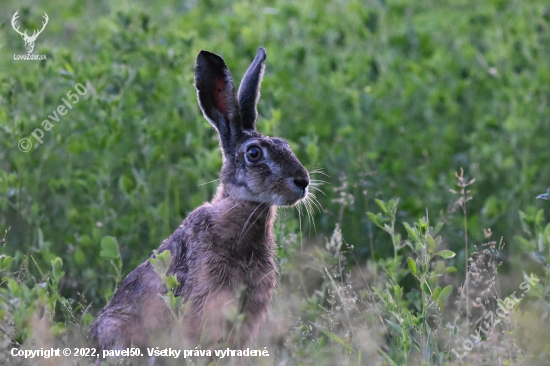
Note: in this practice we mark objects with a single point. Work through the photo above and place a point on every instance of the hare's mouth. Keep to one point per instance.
(296, 193)
(289, 203)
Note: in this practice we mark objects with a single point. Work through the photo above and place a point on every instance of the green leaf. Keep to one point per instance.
(392, 205)
(13, 286)
(375, 218)
(425, 288)
(171, 282)
(57, 273)
(79, 257)
(436, 292)
(411, 232)
(422, 226)
(398, 240)
(6, 262)
(524, 243)
(335, 338)
(412, 266)
(539, 217)
(382, 206)
(398, 292)
(109, 248)
(431, 243)
(174, 301)
(108, 293)
(395, 326)
(446, 254)
(445, 292)
(437, 228)
(161, 262)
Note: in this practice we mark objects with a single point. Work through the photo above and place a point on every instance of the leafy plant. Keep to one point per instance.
(109, 250)
(415, 326)
(161, 264)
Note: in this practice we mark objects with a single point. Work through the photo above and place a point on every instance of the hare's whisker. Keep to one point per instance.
(300, 221)
(317, 189)
(269, 213)
(266, 275)
(310, 219)
(315, 203)
(312, 214)
(250, 226)
(244, 226)
(315, 186)
(212, 181)
(314, 197)
(312, 205)
(231, 331)
(318, 171)
(235, 205)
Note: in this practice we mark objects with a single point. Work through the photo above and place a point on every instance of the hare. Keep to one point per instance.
(223, 252)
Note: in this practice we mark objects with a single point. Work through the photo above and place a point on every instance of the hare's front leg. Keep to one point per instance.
(255, 302)
(209, 319)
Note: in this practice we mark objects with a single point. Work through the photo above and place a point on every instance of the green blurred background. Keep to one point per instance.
(389, 98)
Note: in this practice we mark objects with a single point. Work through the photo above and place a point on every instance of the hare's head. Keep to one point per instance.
(255, 167)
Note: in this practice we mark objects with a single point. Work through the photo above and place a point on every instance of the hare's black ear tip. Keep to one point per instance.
(207, 60)
(203, 54)
(209, 56)
(261, 54)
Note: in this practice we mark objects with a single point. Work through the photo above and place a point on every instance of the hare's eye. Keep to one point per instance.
(254, 154)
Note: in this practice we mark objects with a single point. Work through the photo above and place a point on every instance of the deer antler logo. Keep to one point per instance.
(29, 40)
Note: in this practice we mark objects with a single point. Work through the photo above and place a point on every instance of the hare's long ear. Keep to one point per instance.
(218, 99)
(249, 91)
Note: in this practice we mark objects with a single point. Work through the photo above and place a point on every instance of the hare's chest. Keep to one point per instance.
(238, 272)
(251, 287)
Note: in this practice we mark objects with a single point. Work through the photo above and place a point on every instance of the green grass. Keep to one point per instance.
(389, 98)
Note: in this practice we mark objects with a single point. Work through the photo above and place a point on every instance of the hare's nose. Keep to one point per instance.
(302, 183)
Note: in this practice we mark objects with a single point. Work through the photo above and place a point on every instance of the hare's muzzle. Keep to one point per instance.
(302, 183)
(299, 187)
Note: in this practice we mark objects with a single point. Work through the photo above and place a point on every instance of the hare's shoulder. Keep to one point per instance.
(189, 234)
(143, 281)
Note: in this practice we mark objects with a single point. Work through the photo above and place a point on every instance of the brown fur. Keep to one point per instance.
(209, 272)
(223, 252)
